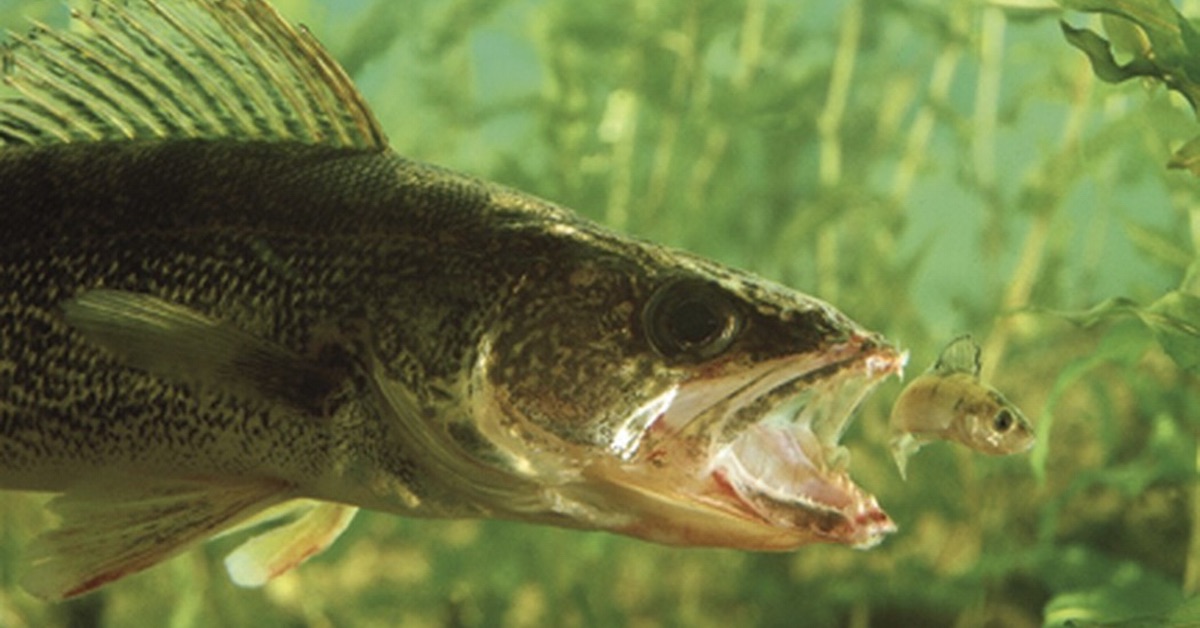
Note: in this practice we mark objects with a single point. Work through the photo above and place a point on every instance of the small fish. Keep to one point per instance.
(948, 402)
(225, 301)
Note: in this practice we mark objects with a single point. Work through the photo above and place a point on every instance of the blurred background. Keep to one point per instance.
(932, 168)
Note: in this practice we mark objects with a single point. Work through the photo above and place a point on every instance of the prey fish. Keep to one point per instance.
(225, 301)
(949, 402)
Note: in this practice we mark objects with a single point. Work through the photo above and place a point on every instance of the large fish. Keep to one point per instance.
(224, 300)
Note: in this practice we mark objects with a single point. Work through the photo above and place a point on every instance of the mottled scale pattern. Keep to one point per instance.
(284, 241)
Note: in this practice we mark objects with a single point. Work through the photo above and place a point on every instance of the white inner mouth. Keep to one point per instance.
(792, 454)
(788, 467)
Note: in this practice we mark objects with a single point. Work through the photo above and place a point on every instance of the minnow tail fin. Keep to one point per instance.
(903, 447)
(282, 548)
(118, 527)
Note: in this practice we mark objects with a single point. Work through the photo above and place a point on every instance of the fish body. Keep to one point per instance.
(949, 402)
(224, 299)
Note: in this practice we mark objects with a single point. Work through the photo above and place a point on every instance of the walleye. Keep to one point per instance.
(949, 402)
(225, 300)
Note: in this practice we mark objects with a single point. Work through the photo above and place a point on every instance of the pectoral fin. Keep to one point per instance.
(181, 344)
(279, 549)
(119, 526)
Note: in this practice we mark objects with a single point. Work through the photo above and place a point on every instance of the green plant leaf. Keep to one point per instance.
(1187, 157)
(1099, 52)
(1160, 244)
(1191, 280)
(1108, 591)
(1122, 343)
(1175, 321)
(1172, 53)
(1108, 310)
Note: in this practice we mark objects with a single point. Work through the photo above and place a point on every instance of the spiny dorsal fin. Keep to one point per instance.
(960, 356)
(185, 69)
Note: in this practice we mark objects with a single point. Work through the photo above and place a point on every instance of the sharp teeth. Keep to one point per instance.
(875, 522)
(878, 365)
(779, 452)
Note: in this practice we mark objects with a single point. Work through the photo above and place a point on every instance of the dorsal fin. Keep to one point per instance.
(960, 356)
(184, 69)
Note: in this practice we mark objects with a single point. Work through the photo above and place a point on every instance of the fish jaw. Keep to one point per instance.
(762, 470)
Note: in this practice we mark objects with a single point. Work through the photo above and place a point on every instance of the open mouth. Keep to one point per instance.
(763, 447)
(738, 456)
(788, 467)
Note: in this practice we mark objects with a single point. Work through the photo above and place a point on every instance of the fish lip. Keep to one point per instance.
(785, 469)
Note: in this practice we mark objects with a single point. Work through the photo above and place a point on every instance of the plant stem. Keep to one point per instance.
(829, 123)
(1191, 571)
(829, 127)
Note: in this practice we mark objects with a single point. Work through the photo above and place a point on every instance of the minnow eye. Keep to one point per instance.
(692, 319)
(1003, 421)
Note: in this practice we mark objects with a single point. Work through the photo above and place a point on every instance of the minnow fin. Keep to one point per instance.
(960, 356)
(282, 548)
(903, 447)
(176, 342)
(112, 529)
(184, 69)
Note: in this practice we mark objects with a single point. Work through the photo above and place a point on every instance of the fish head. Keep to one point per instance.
(661, 396)
(991, 424)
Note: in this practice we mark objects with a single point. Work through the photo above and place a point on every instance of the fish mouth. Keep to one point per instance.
(789, 469)
(759, 453)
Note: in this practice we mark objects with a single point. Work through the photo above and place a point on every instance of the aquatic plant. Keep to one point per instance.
(932, 168)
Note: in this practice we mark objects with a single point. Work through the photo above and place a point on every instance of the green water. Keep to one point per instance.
(931, 168)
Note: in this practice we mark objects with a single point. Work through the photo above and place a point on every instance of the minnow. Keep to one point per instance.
(225, 300)
(949, 402)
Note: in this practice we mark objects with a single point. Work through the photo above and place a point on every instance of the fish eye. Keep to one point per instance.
(691, 319)
(1003, 420)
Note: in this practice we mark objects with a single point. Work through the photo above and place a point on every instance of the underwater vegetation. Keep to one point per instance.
(932, 168)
